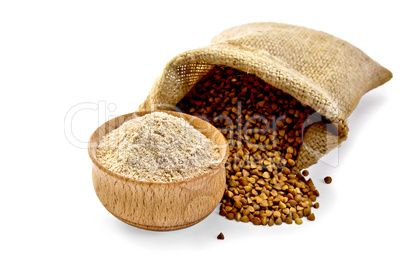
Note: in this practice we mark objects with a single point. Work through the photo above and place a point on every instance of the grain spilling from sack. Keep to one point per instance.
(157, 147)
(264, 127)
(320, 70)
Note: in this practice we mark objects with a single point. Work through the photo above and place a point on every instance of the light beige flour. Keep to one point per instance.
(157, 147)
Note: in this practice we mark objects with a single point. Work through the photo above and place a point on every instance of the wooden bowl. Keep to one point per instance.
(159, 206)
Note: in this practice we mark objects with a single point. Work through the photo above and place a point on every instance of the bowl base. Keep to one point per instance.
(160, 228)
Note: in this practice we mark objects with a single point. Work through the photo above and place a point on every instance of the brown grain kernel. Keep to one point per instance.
(311, 217)
(256, 221)
(230, 216)
(298, 221)
(244, 219)
(278, 221)
(285, 170)
(243, 182)
(265, 175)
(328, 180)
(264, 220)
(271, 222)
(274, 193)
(246, 212)
(238, 216)
(278, 186)
(307, 211)
(269, 213)
(286, 211)
(251, 180)
(220, 236)
(305, 173)
(228, 208)
(276, 214)
(316, 205)
(251, 209)
(235, 168)
(238, 204)
(222, 212)
(289, 220)
(291, 162)
(264, 203)
(237, 198)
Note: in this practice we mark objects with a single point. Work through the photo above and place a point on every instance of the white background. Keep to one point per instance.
(55, 55)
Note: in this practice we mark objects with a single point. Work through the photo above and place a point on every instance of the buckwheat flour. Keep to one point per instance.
(157, 147)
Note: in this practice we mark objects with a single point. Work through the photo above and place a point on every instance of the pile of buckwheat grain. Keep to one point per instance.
(264, 127)
(157, 147)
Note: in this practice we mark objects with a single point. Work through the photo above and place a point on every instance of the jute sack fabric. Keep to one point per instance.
(320, 70)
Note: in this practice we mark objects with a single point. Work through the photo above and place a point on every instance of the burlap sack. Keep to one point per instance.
(320, 70)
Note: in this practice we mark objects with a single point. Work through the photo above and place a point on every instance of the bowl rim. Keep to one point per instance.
(92, 150)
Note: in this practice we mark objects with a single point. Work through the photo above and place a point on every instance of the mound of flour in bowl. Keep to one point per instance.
(157, 147)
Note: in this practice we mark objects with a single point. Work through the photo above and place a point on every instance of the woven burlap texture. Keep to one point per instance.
(320, 70)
